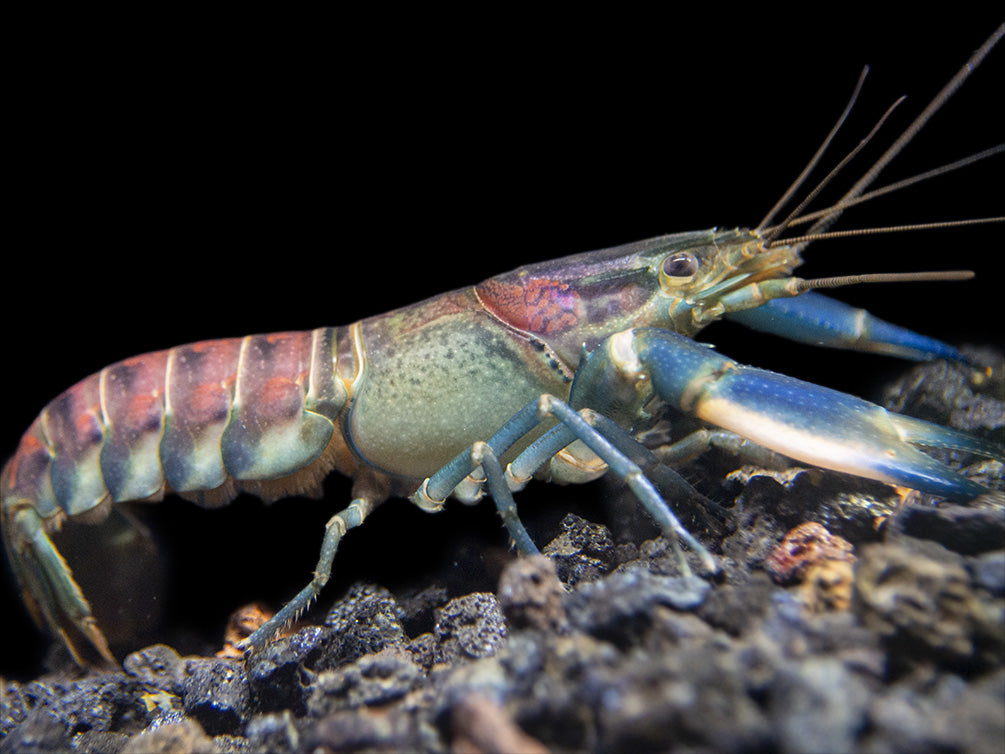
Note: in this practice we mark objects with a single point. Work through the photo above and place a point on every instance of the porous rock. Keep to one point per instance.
(365, 621)
(920, 598)
(469, 627)
(216, 694)
(531, 594)
(275, 672)
(582, 551)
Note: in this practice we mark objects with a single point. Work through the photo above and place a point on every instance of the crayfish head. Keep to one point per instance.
(680, 281)
(724, 274)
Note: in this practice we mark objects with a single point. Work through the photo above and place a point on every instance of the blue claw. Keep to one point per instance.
(815, 319)
(806, 422)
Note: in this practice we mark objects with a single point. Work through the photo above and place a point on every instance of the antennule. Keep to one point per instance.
(802, 286)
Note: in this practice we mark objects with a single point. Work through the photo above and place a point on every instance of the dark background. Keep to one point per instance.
(188, 180)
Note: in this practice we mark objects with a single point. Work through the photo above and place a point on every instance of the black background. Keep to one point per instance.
(184, 180)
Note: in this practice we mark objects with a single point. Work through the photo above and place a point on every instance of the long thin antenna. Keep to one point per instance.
(800, 179)
(829, 177)
(905, 138)
(889, 229)
(901, 184)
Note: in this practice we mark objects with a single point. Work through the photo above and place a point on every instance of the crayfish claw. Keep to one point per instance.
(803, 421)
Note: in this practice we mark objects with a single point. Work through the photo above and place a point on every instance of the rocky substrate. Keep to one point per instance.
(844, 618)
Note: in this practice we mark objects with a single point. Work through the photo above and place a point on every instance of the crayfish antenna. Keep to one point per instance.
(781, 227)
(826, 217)
(811, 236)
(909, 133)
(901, 184)
(801, 178)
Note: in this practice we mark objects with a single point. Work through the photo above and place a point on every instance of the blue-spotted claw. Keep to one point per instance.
(806, 422)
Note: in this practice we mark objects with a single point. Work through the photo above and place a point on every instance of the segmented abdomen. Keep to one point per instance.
(188, 419)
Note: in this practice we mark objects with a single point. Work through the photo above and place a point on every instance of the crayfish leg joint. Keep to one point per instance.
(623, 353)
(422, 499)
(514, 482)
(544, 404)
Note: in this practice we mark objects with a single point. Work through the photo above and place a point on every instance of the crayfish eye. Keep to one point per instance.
(683, 264)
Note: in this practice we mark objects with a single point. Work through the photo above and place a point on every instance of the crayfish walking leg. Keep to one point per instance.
(573, 428)
(354, 515)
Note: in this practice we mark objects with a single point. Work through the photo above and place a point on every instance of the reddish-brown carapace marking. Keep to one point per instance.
(540, 306)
